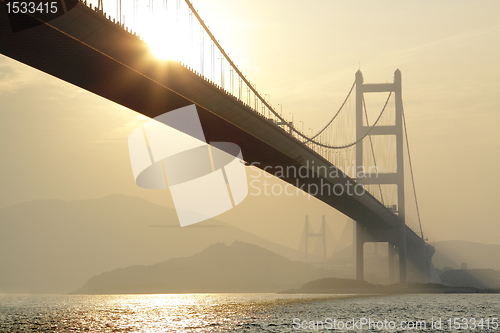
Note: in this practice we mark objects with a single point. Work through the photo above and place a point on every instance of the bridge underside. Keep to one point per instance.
(86, 49)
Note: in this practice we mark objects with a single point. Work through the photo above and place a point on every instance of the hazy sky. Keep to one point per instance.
(58, 141)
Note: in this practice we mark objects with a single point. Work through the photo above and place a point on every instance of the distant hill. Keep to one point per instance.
(477, 255)
(335, 285)
(349, 286)
(54, 246)
(239, 267)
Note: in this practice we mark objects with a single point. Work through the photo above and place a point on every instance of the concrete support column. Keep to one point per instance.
(391, 254)
(403, 279)
(424, 263)
(428, 251)
(359, 242)
(428, 263)
(306, 233)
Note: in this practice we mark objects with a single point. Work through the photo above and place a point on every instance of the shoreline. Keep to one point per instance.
(346, 286)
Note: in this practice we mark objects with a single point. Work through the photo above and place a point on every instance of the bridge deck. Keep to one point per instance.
(86, 49)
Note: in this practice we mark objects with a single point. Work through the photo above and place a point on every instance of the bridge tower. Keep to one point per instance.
(396, 178)
(321, 234)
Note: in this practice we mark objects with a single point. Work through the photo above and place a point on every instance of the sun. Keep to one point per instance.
(170, 47)
(161, 49)
(168, 37)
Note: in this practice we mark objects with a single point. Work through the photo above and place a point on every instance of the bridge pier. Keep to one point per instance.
(429, 252)
(359, 242)
(417, 256)
(421, 262)
(403, 276)
(391, 257)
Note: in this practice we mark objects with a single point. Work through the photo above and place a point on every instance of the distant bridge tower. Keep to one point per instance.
(307, 233)
(396, 178)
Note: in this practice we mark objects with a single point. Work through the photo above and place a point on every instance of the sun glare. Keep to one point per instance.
(168, 46)
(173, 32)
(168, 35)
(161, 50)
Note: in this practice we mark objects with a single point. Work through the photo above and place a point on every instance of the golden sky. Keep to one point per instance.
(58, 141)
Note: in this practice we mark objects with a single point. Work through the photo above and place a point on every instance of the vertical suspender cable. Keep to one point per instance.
(373, 152)
(201, 50)
(191, 39)
(222, 71)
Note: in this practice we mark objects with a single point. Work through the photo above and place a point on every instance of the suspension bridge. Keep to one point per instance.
(113, 56)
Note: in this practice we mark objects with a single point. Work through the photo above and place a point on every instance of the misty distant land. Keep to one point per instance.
(220, 268)
(239, 268)
(349, 286)
(89, 246)
(55, 246)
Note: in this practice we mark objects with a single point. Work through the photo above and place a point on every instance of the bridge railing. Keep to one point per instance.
(216, 68)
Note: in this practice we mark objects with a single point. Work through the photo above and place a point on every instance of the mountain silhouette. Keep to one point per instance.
(54, 246)
(477, 255)
(239, 267)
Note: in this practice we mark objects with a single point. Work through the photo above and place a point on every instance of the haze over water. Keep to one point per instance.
(239, 312)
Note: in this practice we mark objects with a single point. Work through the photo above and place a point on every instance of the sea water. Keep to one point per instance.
(250, 313)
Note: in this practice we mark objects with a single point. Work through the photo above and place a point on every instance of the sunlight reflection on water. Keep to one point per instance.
(223, 312)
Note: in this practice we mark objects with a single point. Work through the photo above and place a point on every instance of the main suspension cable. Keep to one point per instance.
(335, 116)
(411, 173)
(355, 142)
